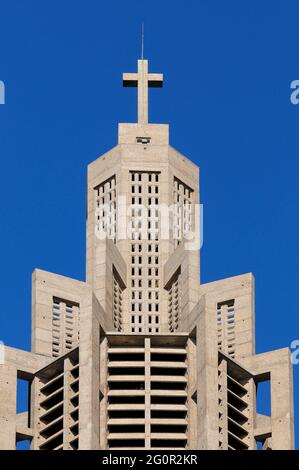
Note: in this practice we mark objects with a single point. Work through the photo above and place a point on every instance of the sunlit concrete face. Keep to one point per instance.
(141, 355)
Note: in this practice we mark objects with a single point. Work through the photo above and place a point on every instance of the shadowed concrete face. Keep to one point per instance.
(141, 355)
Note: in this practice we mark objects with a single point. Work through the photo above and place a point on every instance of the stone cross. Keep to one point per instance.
(143, 80)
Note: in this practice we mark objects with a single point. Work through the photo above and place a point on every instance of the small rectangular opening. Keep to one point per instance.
(164, 371)
(168, 414)
(120, 399)
(263, 398)
(126, 428)
(126, 443)
(23, 445)
(168, 428)
(22, 395)
(126, 385)
(143, 140)
(168, 386)
(172, 443)
(259, 445)
(171, 400)
(130, 414)
(164, 357)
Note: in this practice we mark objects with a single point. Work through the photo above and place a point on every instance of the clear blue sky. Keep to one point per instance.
(228, 67)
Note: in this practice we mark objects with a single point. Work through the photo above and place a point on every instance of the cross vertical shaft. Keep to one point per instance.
(142, 91)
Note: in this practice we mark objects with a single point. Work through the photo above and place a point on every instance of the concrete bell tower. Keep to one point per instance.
(141, 207)
(141, 355)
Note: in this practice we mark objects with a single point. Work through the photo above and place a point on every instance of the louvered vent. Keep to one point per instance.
(234, 410)
(58, 406)
(147, 396)
(174, 301)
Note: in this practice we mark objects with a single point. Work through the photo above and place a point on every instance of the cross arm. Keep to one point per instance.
(155, 80)
(130, 79)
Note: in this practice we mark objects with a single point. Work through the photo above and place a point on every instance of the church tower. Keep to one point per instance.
(141, 355)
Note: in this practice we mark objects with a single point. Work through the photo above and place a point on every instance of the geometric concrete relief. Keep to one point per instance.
(140, 355)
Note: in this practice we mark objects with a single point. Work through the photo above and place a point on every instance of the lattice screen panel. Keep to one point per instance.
(145, 260)
(226, 327)
(65, 326)
(182, 217)
(105, 214)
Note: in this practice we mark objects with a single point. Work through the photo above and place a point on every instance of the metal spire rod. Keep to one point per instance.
(142, 40)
